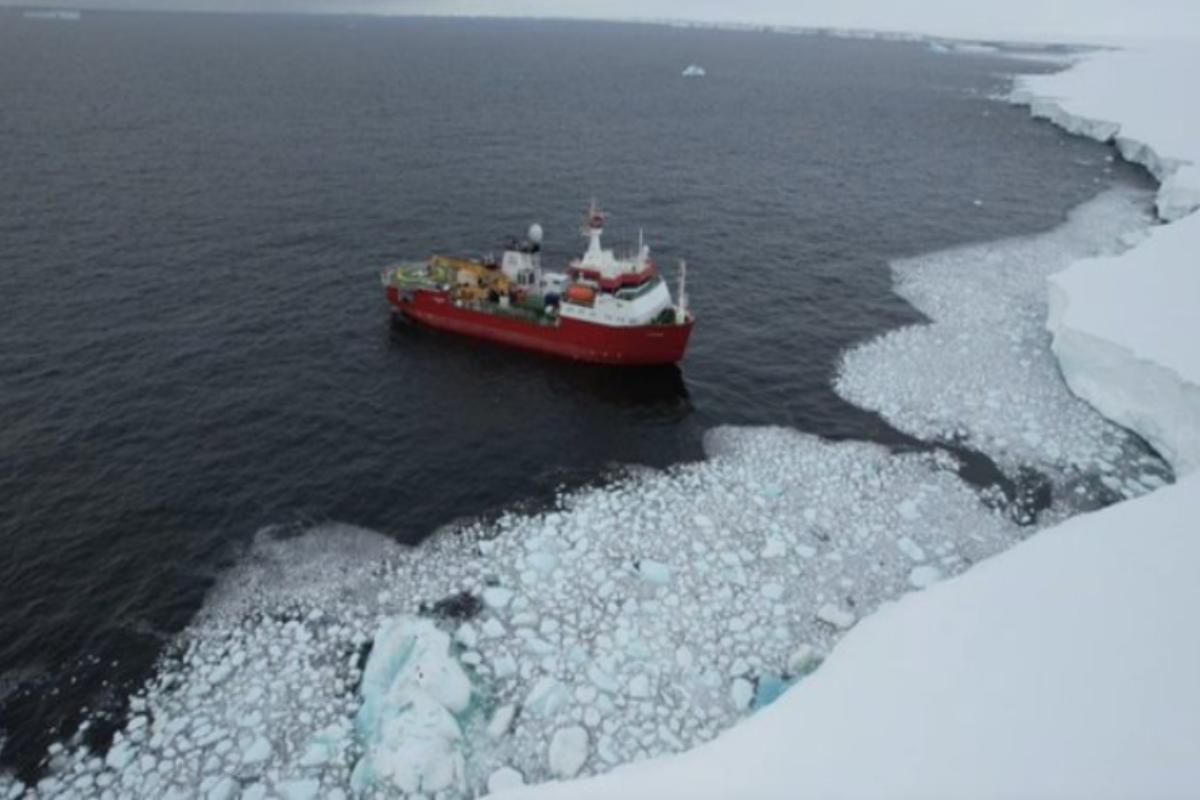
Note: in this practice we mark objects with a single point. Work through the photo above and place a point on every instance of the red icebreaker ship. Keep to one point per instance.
(604, 309)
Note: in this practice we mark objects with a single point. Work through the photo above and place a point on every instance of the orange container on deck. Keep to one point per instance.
(578, 293)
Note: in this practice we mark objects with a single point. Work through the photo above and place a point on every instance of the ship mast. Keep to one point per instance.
(681, 308)
(593, 227)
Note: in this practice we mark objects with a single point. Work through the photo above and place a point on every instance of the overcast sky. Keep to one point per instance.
(1041, 19)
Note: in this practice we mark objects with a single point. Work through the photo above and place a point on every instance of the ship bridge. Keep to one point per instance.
(602, 266)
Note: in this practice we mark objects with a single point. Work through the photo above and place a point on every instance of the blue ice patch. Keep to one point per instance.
(768, 689)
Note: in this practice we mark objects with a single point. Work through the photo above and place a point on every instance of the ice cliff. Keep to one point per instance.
(1125, 328)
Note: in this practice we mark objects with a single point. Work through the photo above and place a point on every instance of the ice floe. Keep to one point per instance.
(503, 779)
(568, 751)
(412, 690)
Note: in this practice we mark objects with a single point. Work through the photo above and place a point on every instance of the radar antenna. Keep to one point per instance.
(681, 308)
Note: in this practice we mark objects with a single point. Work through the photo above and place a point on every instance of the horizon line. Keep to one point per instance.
(834, 31)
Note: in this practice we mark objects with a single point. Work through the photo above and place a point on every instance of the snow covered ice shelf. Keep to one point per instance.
(1139, 98)
(1125, 327)
(1125, 332)
(981, 372)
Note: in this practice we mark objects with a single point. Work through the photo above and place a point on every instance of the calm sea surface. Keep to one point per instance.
(193, 343)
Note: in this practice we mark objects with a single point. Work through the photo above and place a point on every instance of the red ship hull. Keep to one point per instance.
(565, 337)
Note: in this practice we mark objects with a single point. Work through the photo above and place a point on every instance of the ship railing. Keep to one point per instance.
(518, 312)
(410, 275)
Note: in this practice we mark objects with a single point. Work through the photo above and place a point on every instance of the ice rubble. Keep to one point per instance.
(981, 371)
(637, 619)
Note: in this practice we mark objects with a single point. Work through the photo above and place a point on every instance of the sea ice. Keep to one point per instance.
(412, 688)
(802, 660)
(466, 635)
(568, 751)
(502, 719)
(654, 571)
(837, 617)
(546, 697)
(923, 576)
(647, 665)
(415, 747)
(259, 750)
(741, 693)
(497, 597)
(910, 548)
(504, 778)
(303, 789)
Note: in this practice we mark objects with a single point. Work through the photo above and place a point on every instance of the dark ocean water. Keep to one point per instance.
(193, 210)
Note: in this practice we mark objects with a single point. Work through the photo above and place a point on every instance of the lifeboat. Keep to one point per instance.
(581, 294)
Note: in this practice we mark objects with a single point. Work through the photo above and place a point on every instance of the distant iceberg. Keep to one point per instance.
(976, 48)
(694, 71)
(60, 14)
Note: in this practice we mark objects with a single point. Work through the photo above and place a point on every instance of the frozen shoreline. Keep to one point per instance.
(1068, 654)
(1123, 328)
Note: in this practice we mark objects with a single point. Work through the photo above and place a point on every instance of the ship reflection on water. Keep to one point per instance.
(658, 390)
(654, 394)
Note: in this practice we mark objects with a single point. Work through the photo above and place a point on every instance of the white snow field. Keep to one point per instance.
(1138, 98)
(648, 616)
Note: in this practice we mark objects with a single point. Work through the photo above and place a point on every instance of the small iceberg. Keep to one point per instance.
(414, 694)
(59, 14)
(694, 71)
